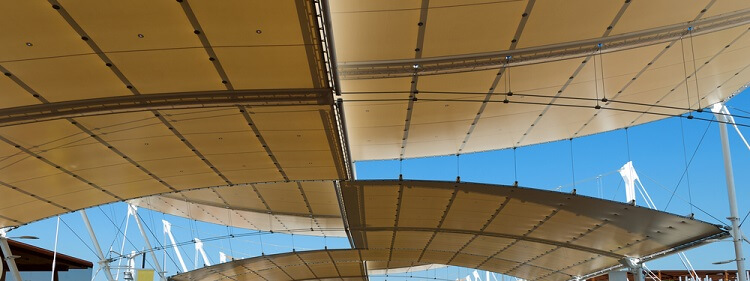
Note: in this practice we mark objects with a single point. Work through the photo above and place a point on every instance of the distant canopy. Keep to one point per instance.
(528, 233)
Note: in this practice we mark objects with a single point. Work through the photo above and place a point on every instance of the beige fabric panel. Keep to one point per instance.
(653, 14)
(278, 207)
(278, 67)
(68, 77)
(667, 72)
(218, 135)
(308, 148)
(528, 233)
(516, 119)
(470, 26)
(321, 199)
(717, 65)
(441, 125)
(37, 23)
(59, 158)
(620, 68)
(285, 196)
(185, 70)
(115, 27)
(440, 121)
(723, 7)
(553, 22)
(17, 202)
(306, 265)
(14, 95)
(236, 22)
(149, 142)
(377, 118)
(382, 30)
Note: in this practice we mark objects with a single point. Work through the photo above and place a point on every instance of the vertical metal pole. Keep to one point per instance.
(145, 240)
(634, 266)
(131, 265)
(103, 263)
(54, 254)
(721, 115)
(122, 248)
(9, 258)
(638, 273)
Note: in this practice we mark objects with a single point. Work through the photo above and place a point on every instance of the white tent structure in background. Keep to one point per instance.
(630, 177)
(168, 231)
(199, 249)
(477, 277)
(223, 257)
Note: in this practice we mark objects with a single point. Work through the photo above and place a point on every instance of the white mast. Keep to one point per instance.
(722, 114)
(168, 231)
(103, 263)
(199, 249)
(148, 243)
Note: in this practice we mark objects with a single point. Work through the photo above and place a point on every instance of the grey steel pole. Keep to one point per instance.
(148, 244)
(9, 259)
(733, 214)
(638, 273)
(102, 260)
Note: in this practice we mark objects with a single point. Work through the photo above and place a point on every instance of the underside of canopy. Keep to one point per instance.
(528, 233)
(224, 112)
(342, 265)
(58, 166)
(426, 78)
(303, 207)
(106, 102)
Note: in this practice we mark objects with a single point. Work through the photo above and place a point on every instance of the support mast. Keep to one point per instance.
(10, 259)
(103, 263)
(148, 243)
(722, 114)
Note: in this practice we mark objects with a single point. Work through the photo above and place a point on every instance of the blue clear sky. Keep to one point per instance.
(656, 150)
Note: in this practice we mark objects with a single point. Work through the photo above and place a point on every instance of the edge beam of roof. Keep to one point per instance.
(181, 100)
(269, 266)
(534, 55)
